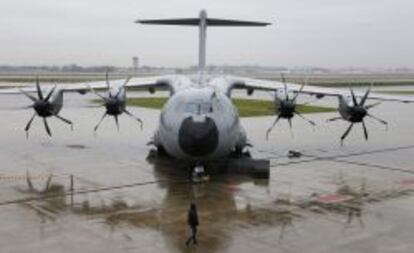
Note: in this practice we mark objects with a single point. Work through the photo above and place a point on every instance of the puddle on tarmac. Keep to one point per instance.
(220, 212)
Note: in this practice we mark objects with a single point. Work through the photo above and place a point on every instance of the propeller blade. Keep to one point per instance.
(365, 130)
(39, 91)
(100, 121)
(28, 95)
(290, 127)
(15, 108)
(297, 94)
(285, 86)
(107, 79)
(50, 93)
(304, 118)
(47, 127)
(333, 119)
(116, 122)
(29, 124)
(134, 117)
(364, 98)
(372, 106)
(378, 119)
(108, 84)
(271, 128)
(126, 81)
(347, 132)
(354, 100)
(123, 86)
(65, 120)
(96, 93)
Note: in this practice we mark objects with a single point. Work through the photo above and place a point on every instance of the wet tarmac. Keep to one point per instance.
(108, 193)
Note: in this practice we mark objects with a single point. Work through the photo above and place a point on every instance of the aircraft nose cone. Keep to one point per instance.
(198, 138)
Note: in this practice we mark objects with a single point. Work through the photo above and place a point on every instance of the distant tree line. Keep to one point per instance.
(75, 68)
(56, 68)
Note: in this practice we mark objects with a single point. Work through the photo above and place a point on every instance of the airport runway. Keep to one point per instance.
(352, 198)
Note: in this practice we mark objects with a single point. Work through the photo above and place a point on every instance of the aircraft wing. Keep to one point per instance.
(267, 85)
(151, 83)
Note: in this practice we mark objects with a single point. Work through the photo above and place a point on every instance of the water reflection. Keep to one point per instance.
(220, 213)
(227, 207)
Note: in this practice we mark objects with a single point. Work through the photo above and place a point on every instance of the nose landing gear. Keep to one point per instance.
(198, 174)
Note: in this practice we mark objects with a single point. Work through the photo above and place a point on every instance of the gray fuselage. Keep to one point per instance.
(199, 123)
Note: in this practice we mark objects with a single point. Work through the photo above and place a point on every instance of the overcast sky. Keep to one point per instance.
(326, 33)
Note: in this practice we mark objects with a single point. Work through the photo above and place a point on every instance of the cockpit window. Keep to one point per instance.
(191, 108)
(206, 108)
(199, 108)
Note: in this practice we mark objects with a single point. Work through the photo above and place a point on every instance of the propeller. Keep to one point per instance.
(115, 105)
(43, 108)
(286, 107)
(357, 112)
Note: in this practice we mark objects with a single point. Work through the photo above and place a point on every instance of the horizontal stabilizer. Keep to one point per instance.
(180, 21)
(196, 22)
(228, 22)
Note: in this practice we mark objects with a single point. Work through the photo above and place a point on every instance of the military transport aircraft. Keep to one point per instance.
(199, 121)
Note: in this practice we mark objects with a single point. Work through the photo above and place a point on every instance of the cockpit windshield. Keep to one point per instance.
(199, 108)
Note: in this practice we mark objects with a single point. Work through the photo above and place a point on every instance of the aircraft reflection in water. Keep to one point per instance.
(229, 206)
(223, 210)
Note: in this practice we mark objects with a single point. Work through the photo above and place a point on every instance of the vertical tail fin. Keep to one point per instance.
(202, 22)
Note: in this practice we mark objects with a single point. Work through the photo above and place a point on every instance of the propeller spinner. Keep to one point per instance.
(286, 108)
(115, 104)
(44, 108)
(356, 114)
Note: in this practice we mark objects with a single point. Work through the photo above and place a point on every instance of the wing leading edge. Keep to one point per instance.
(151, 83)
(257, 84)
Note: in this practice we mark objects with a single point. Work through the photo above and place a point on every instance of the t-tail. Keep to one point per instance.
(202, 22)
